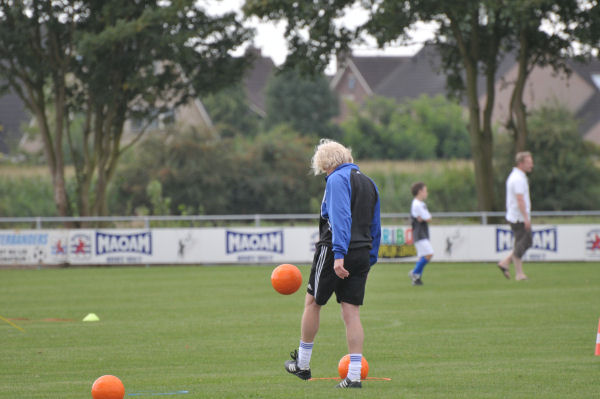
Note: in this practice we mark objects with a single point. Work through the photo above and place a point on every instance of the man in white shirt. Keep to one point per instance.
(518, 214)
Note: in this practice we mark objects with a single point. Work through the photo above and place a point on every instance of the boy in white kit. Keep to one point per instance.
(420, 217)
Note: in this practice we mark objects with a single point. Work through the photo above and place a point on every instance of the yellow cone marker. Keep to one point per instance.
(91, 317)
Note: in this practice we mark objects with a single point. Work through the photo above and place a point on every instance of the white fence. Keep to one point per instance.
(274, 245)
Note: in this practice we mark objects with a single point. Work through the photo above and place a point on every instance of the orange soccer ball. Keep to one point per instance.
(108, 387)
(286, 279)
(344, 364)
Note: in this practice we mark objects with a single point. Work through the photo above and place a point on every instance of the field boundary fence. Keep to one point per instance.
(267, 220)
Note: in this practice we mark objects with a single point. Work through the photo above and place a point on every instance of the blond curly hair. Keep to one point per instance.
(329, 155)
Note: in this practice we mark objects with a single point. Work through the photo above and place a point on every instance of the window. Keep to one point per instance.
(351, 82)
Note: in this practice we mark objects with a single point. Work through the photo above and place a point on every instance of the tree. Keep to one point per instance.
(565, 176)
(230, 112)
(538, 47)
(468, 38)
(472, 37)
(304, 102)
(109, 61)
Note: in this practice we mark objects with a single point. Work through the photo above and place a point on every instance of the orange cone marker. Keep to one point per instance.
(598, 341)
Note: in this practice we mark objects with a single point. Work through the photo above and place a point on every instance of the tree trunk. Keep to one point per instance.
(517, 106)
(481, 146)
(481, 138)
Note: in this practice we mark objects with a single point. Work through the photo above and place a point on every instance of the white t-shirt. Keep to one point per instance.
(419, 209)
(517, 184)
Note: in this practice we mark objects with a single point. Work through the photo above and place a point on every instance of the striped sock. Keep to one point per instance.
(304, 353)
(355, 366)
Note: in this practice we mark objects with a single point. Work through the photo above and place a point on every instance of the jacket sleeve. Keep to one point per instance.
(338, 194)
(375, 233)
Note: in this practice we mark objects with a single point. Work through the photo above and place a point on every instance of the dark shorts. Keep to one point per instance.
(523, 239)
(323, 281)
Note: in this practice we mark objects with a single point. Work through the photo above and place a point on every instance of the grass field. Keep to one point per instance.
(223, 332)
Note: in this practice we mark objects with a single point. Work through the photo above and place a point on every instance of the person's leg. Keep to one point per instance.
(519, 275)
(420, 265)
(354, 330)
(355, 337)
(523, 241)
(309, 329)
(424, 253)
(504, 265)
(320, 287)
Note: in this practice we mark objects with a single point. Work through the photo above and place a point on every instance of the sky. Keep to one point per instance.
(270, 40)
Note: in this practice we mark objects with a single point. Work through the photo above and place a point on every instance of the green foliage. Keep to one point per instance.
(230, 112)
(268, 174)
(451, 188)
(424, 128)
(564, 176)
(444, 119)
(110, 61)
(304, 102)
(26, 196)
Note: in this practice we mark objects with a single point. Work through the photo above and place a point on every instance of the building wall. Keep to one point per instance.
(544, 87)
(348, 89)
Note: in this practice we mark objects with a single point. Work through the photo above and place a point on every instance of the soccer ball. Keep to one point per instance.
(108, 387)
(344, 364)
(286, 279)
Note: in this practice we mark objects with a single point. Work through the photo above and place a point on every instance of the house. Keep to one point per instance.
(358, 78)
(579, 92)
(409, 77)
(194, 114)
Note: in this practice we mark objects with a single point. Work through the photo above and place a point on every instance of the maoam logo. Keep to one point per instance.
(140, 243)
(545, 240)
(265, 242)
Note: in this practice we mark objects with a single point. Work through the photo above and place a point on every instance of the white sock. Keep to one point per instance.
(355, 366)
(304, 354)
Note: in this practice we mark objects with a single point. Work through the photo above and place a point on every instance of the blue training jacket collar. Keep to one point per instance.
(342, 166)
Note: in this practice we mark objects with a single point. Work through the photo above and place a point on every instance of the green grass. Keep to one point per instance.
(223, 332)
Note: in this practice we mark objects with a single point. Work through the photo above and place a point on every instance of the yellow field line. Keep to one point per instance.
(12, 324)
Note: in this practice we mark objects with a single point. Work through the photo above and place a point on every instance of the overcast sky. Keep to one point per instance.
(269, 35)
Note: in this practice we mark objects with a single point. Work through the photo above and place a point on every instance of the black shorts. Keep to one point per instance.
(323, 281)
(523, 239)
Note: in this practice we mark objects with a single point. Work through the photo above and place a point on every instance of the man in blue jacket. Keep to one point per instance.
(349, 236)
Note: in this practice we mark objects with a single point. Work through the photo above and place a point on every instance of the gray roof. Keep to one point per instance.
(413, 77)
(422, 74)
(375, 69)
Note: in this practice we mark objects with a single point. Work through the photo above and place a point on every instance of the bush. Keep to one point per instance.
(423, 128)
(268, 174)
(451, 188)
(26, 196)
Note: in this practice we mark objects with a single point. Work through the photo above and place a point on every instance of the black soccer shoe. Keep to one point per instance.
(348, 383)
(291, 367)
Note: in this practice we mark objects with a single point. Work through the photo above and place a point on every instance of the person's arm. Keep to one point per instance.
(423, 214)
(523, 209)
(375, 233)
(340, 219)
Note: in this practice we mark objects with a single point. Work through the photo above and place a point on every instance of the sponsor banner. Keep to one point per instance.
(396, 243)
(281, 245)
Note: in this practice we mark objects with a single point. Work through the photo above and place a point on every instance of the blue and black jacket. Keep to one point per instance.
(350, 212)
